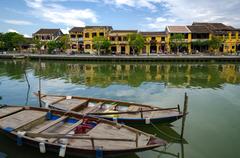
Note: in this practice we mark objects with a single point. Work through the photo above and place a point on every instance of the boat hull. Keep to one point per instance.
(141, 122)
(73, 151)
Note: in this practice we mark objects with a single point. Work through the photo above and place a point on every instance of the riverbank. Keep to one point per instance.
(162, 58)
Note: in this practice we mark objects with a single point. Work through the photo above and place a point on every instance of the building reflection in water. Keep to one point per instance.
(105, 74)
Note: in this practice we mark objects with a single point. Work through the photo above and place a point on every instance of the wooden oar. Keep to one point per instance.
(73, 136)
(131, 112)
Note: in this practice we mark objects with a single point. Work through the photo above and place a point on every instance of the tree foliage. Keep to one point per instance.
(101, 42)
(11, 41)
(63, 42)
(136, 41)
(216, 42)
(177, 41)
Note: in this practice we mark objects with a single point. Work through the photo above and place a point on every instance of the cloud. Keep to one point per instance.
(18, 22)
(65, 30)
(182, 12)
(59, 14)
(12, 30)
(150, 4)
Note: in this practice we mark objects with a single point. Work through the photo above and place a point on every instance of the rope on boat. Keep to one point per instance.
(167, 135)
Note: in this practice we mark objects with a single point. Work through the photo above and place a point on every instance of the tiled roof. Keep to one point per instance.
(77, 29)
(153, 33)
(124, 31)
(47, 31)
(103, 27)
(178, 29)
(214, 26)
(198, 29)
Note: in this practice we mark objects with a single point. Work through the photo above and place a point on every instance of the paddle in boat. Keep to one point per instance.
(70, 133)
(122, 112)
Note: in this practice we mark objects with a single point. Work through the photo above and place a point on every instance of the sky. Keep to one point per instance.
(27, 16)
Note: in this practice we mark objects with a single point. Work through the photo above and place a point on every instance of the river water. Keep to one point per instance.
(212, 127)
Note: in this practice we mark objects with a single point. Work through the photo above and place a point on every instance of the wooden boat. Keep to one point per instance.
(69, 133)
(122, 112)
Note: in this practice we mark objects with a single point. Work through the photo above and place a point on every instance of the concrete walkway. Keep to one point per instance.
(201, 58)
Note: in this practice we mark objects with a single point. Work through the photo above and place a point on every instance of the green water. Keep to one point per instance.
(212, 126)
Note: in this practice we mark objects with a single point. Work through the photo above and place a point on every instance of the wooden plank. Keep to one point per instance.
(51, 99)
(45, 127)
(69, 104)
(21, 118)
(91, 109)
(67, 130)
(74, 136)
(5, 111)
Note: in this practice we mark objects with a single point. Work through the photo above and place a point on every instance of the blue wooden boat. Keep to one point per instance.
(72, 134)
(114, 110)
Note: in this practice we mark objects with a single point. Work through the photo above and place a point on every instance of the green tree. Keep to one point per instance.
(100, 42)
(200, 44)
(63, 42)
(177, 41)
(13, 40)
(136, 42)
(215, 43)
(2, 41)
(38, 44)
(106, 45)
(51, 45)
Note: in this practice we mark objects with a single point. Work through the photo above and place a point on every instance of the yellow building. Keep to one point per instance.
(81, 39)
(228, 33)
(171, 30)
(76, 39)
(90, 32)
(119, 41)
(155, 42)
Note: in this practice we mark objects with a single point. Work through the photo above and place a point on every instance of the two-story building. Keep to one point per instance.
(46, 35)
(200, 35)
(76, 39)
(155, 42)
(184, 30)
(90, 32)
(228, 34)
(119, 41)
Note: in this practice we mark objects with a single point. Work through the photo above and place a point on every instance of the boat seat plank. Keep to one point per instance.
(91, 109)
(51, 99)
(67, 130)
(69, 104)
(45, 127)
(21, 118)
(133, 108)
(9, 110)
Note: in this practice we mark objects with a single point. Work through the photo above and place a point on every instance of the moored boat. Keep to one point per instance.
(69, 133)
(122, 112)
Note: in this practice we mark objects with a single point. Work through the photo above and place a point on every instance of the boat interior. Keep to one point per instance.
(107, 108)
(75, 131)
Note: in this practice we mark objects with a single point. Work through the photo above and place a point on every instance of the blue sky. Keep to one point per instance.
(27, 16)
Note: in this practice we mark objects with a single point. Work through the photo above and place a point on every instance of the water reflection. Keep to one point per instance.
(106, 74)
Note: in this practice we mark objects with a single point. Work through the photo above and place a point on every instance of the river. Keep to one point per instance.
(212, 126)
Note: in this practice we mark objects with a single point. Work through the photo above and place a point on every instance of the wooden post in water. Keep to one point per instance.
(39, 84)
(184, 114)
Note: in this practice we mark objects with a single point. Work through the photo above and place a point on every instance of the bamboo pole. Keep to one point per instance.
(184, 114)
(39, 84)
(73, 136)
